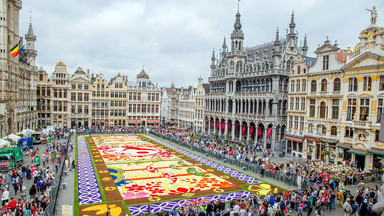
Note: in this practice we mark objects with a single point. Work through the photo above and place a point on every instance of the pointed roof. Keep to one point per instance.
(237, 32)
(305, 46)
(30, 35)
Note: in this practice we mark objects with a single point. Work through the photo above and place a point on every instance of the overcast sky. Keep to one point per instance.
(174, 38)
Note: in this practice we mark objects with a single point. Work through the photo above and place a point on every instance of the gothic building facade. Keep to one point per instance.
(247, 99)
(18, 74)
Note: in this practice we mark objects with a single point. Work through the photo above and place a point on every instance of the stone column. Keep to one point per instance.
(220, 127)
(241, 130)
(214, 126)
(233, 130)
(265, 137)
(257, 130)
(248, 125)
(249, 106)
(226, 127)
(241, 106)
(273, 137)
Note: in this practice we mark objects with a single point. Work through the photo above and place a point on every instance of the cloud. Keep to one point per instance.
(174, 38)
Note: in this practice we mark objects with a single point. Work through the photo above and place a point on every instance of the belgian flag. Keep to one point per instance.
(15, 50)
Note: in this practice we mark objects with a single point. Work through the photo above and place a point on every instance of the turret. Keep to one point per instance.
(276, 55)
(292, 35)
(237, 35)
(30, 53)
(224, 46)
(305, 46)
(213, 64)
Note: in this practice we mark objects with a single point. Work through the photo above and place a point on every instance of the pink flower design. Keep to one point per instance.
(130, 195)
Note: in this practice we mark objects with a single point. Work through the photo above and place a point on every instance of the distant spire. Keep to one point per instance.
(237, 23)
(30, 36)
(292, 25)
(213, 58)
(305, 46)
(277, 35)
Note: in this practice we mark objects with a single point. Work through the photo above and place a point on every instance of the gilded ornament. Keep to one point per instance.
(346, 79)
(375, 77)
(153, 199)
(360, 78)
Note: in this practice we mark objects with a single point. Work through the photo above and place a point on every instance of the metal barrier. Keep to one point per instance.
(50, 209)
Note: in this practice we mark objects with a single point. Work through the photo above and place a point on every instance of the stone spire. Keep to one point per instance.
(30, 52)
(237, 32)
(30, 36)
(292, 25)
(305, 46)
(224, 46)
(213, 58)
(277, 40)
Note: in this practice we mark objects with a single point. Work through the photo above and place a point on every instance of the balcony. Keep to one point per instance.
(81, 115)
(361, 124)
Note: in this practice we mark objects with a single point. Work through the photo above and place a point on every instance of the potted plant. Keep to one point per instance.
(326, 155)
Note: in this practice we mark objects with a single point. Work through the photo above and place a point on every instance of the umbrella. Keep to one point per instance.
(27, 131)
(4, 143)
(13, 137)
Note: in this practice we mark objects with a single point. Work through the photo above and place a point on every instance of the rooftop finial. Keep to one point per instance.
(30, 16)
(238, 5)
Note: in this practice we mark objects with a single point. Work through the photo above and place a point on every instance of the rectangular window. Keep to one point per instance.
(298, 86)
(380, 108)
(367, 85)
(335, 108)
(312, 107)
(293, 86)
(130, 96)
(301, 123)
(291, 103)
(381, 87)
(297, 103)
(79, 96)
(353, 84)
(303, 103)
(291, 122)
(304, 85)
(348, 132)
(326, 62)
(296, 122)
(73, 96)
(139, 96)
(377, 135)
(351, 109)
(364, 109)
(73, 86)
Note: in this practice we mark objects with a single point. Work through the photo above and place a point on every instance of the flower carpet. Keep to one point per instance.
(131, 174)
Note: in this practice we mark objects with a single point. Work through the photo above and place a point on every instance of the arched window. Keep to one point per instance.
(321, 129)
(239, 67)
(323, 110)
(336, 85)
(324, 85)
(231, 66)
(333, 130)
(41, 77)
(310, 128)
(298, 70)
(313, 86)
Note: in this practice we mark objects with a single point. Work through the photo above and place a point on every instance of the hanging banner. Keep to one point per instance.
(269, 132)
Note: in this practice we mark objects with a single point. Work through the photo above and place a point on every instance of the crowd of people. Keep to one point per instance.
(26, 190)
(326, 186)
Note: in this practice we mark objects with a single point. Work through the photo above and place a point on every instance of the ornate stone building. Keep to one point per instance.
(247, 100)
(144, 100)
(85, 100)
(80, 98)
(18, 74)
(344, 102)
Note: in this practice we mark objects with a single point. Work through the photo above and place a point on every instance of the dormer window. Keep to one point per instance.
(326, 62)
